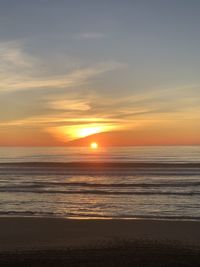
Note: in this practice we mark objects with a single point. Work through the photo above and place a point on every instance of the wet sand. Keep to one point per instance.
(67, 242)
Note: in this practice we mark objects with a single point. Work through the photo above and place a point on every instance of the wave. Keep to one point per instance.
(97, 192)
(26, 213)
(93, 168)
(101, 164)
(36, 185)
(77, 215)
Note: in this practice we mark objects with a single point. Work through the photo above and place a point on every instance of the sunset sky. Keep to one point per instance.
(121, 72)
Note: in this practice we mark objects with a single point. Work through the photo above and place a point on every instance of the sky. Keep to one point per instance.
(120, 73)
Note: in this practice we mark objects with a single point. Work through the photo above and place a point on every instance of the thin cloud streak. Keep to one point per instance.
(19, 71)
(89, 36)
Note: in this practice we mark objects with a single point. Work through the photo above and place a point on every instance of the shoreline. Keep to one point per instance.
(86, 218)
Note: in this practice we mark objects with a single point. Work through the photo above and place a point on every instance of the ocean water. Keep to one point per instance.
(135, 182)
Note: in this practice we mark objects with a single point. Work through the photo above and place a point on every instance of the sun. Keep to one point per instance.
(94, 145)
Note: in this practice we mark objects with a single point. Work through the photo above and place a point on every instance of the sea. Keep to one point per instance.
(161, 182)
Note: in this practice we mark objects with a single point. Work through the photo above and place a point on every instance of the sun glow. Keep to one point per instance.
(94, 145)
(89, 131)
(82, 130)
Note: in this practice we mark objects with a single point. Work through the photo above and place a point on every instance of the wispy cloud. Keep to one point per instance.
(19, 71)
(54, 110)
(89, 36)
(73, 104)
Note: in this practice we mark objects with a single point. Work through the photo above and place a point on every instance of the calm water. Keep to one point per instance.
(137, 182)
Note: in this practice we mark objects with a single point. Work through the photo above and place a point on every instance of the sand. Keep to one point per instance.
(67, 242)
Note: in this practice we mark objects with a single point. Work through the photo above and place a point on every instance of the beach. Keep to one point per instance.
(27, 241)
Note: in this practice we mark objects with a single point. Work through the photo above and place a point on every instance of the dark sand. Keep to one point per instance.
(61, 242)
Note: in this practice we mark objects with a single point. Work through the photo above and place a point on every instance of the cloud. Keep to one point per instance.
(31, 96)
(13, 57)
(70, 105)
(64, 115)
(20, 71)
(89, 36)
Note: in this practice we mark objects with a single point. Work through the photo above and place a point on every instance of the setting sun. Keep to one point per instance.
(94, 145)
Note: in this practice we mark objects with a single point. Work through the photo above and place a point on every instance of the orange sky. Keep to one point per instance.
(146, 135)
(68, 71)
